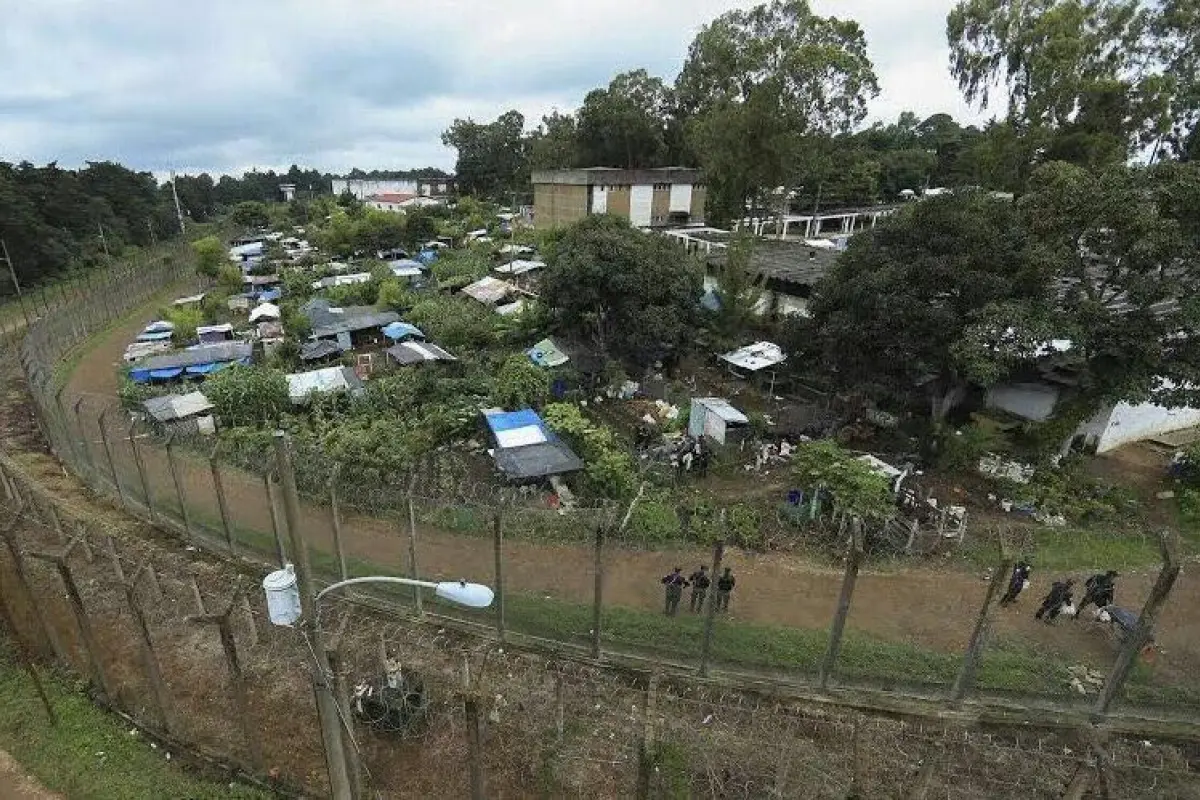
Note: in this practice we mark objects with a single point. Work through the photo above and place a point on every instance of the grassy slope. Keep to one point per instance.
(90, 754)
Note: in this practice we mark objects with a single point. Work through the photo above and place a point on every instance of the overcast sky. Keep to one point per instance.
(223, 86)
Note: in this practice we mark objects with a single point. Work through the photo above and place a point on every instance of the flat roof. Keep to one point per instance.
(790, 262)
(591, 176)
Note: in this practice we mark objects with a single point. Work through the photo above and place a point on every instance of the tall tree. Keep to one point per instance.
(625, 125)
(492, 161)
(555, 143)
(894, 312)
(756, 81)
(634, 295)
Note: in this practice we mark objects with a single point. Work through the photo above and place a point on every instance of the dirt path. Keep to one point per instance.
(15, 784)
(921, 605)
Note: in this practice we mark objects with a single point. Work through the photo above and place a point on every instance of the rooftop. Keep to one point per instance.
(797, 263)
(612, 175)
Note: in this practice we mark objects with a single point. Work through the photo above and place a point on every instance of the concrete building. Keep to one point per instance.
(400, 202)
(364, 188)
(648, 198)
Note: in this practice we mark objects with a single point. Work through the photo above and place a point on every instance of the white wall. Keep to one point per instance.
(599, 200)
(363, 189)
(1133, 423)
(641, 200)
(1032, 401)
(681, 197)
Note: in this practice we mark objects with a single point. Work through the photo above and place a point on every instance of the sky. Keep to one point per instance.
(224, 86)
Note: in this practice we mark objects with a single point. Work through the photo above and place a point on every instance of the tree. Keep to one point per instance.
(1123, 247)
(210, 256)
(856, 488)
(625, 124)
(760, 79)
(1056, 58)
(491, 157)
(521, 383)
(244, 395)
(738, 291)
(554, 145)
(634, 295)
(250, 214)
(420, 226)
(892, 312)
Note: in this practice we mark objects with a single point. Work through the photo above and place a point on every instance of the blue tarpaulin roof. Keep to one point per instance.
(163, 374)
(154, 336)
(270, 294)
(526, 448)
(427, 256)
(401, 330)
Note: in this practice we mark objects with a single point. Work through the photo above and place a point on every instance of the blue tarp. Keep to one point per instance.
(711, 300)
(511, 420)
(155, 336)
(270, 294)
(401, 330)
(166, 374)
(159, 326)
(427, 256)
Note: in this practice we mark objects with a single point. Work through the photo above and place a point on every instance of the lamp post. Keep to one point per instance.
(471, 595)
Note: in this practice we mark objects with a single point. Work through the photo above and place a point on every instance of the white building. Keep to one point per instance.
(399, 202)
(362, 189)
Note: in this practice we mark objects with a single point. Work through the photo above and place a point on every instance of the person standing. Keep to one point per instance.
(724, 589)
(1016, 584)
(674, 583)
(1059, 596)
(700, 583)
(1099, 589)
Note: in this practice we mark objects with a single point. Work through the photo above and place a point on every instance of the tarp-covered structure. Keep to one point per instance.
(547, 353)
(399, 331)
(196, 361)
(525, 448)
(322, 381)
(712, 417)
(329, 321)
(755, 357)
(417, 353)
(191, 412)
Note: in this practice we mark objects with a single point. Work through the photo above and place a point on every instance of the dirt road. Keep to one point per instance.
(931, 606)
(15, 784)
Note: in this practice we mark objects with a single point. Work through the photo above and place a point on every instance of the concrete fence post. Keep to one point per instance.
(180, 495)
(597, 590)
(412, 543)
(498, 552)
(853, 561)
(338, 543)
(214, 467)
(710, 609)
(141, 470)
(276, 530)
(965, 681)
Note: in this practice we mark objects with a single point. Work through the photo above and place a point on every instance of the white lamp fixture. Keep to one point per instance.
(472, 595)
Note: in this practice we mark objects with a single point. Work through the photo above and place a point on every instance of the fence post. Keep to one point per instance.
(338, 547)
(646, 740)
(711, 609)
(1140, 636)
(88, 638)
(8, 533)
(342, 687)
(219, 488)
(597, 590)
(179, 493)
(412, 542)
(268, 480)
(112, 465)
(853, 561)
(83, 437)
(498, 551)
(141, 469)
(965, 681)
(145, 644)
(26, 660)
(327, 713)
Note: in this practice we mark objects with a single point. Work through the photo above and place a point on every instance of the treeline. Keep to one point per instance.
(53, 219)
(202, 197)
(770, 103)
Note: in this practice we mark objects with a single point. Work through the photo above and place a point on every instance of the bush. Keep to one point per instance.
(244, 395)
(856, 488)
(210, 255)
(961, 450)
(521, 383)
(610, 471)
(185, 320)
(654, 521)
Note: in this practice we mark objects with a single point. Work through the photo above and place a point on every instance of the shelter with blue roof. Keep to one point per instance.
(525, 448)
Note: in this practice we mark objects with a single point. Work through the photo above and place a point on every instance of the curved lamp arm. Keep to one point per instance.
(472, 595)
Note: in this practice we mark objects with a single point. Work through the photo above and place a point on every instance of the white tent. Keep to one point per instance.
(264, 311)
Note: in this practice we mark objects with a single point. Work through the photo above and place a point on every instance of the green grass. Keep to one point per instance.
(90, 754)
(1078, 548)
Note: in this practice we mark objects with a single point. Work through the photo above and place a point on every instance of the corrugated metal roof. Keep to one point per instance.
(204, 354)
(754, 357)
(489, 290)
(418, 352)
(547, 354)
(722, 408)
(520, 267)
(173, 407)
(330, 379)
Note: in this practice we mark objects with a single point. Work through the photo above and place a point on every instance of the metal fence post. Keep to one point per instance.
(853, 561)
(179, 493)
(223, 506)
(141, 468)
(1140, 636)
(498, 551)
(112, 465)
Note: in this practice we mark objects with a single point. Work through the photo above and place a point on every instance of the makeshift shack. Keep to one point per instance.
(322, 381)
(352, 326)
(406, 268)
(400, 331)
(195, 362)
(342, 280)
(264, 311)
(320, 350)
(158, 331)
(520, 267)
(182, 413)
(407, 353)
(714, 417)
(214, 334)
(525, 449)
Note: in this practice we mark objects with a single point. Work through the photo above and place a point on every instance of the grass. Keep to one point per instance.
(90, 753)
(1078, 548)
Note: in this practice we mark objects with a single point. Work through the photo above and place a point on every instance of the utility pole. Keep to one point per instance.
(175, 195)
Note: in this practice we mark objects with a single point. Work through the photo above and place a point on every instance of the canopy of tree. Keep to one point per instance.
(51, 218)
(634, 295)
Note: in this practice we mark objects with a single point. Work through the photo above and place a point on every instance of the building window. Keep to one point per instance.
(662, 187)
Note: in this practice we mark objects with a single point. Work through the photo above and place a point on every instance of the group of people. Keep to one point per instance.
(699, 581)
(1099, 590)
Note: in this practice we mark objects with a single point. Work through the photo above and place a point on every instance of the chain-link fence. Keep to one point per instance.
(574, 586)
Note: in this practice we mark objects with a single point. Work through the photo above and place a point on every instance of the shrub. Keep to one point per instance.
(210, 255)
(654, 521)
(521, 383)
(244, 395)
(961, 450)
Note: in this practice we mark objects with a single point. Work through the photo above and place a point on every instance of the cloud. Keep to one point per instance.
(224, 86)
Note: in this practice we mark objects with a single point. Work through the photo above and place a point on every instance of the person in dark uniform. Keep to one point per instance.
(1099, 590)
(1059, 596)
(1016, 584)
(700, 583)
(724, 589)
(674, 583)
